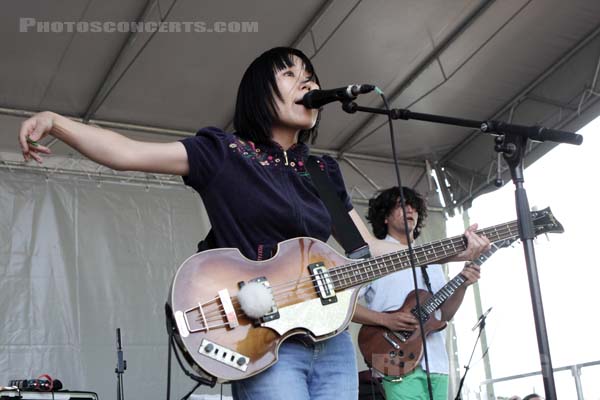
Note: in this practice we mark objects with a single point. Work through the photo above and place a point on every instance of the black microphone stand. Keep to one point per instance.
(121, 367)
(413, 263)
(481, 325)
(511, 141)
(205, 379)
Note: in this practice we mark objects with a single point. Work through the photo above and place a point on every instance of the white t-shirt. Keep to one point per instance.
(388, 294)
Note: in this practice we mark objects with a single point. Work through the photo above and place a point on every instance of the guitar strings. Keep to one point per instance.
(301, 284)
(381, 263)
(388, 262)
(379, 266)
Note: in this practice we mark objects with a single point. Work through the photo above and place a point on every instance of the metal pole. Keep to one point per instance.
(489, 388)
(576, 372)
(479, 311)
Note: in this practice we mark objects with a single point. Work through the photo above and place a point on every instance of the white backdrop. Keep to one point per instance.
(77, 261)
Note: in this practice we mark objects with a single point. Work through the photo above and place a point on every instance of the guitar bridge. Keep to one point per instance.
(230, 315)
(323, 284)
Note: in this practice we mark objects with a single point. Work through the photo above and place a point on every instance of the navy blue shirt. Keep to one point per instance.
(257, 195)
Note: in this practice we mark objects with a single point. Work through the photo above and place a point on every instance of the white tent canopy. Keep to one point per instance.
(528, 62)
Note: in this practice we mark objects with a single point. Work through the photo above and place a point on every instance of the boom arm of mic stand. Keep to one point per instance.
(537, 133)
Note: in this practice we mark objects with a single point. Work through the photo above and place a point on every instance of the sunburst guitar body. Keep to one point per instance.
(311, 291)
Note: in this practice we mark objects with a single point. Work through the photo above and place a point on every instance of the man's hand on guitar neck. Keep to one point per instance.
(476, 246)
(471, 271)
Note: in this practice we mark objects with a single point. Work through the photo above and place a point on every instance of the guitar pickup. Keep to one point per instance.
(391, 341)
(323, 284)
(402, 335)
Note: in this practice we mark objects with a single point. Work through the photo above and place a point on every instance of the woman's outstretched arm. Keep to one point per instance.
(103, 146)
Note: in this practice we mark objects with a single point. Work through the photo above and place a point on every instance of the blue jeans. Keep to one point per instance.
(325, 370)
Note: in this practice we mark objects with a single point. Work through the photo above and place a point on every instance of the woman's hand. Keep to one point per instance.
(32, 131)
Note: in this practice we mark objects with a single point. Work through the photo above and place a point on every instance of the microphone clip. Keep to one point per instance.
(349, 106)
(481, 321)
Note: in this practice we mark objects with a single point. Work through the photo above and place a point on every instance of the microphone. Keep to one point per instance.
(318, 98)
(481, 320)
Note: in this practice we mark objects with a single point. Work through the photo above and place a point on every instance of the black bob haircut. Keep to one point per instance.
(255, 109)
(382, 206)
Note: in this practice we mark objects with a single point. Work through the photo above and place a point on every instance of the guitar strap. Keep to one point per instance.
(426, 278)
(208, 242)
(346, 232)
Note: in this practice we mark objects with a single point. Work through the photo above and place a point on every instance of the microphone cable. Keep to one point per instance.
(410, 248)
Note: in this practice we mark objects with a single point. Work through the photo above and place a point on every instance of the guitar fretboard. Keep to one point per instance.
(435, 301)
(364, 271)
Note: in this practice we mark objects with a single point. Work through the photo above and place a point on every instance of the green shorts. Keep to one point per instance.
(414, 386)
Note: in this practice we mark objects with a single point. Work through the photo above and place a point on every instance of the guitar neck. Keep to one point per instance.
(364, 271)
(494, 248)
(435, 301)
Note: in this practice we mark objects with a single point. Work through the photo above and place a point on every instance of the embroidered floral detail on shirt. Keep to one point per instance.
(270, 156)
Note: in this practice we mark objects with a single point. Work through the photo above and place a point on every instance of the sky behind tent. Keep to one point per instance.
(566, 180)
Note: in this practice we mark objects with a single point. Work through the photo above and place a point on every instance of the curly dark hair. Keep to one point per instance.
(382, 206)
(532, 396)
